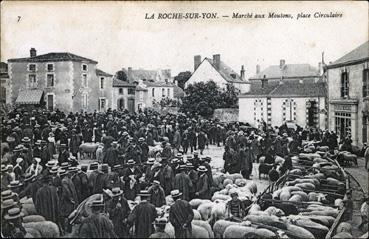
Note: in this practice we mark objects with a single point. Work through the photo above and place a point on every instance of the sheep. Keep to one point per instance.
(29, 209)
(237, 231)
(47, 229)
(32, 233)
(89, 149)
(33, 218)
(220, 226)
(204, 225)
(205, 210)
(197, 231)
(196, 214)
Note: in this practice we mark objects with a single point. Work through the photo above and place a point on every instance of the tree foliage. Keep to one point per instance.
(122, 76)
(182, 78)
(202, 98)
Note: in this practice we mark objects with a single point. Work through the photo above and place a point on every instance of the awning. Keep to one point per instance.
(29, 97)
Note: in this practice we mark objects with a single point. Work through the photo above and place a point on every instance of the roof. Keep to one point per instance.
(141, 74)
(158, 84)
(287, 88)
(30, 97)
(141, 88)
(289, 71)
(358, 54)
(102, 73)
(178, 92)
(226, 72)
(52, 57)
(120, 83)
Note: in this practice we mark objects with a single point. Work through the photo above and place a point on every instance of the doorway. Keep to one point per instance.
(50, 102)
(120, 104)
(131, 105)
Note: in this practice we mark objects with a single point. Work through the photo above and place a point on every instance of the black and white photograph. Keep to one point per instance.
(184, 119)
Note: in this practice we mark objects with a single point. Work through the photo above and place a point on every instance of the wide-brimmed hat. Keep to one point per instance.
(18, 148)
(130, 162)
(54, 170)
(104, 168)
(38, 142)
(175, 160)
(73, 170)
(3, 168)
(63, 172)
(141, 139)
(13, 213)
(189, 165)
(19, 160)
(156, 181)
(43, 142)
(195, 153)
(8, 203)
(37, 126)
(118, 166)
(116, 192)
(179, 155)
(51, 163)
(64, 165)
(38, 160)
(183, 167)
(202, 169)
(28, 177)
(94, 166)
(14, 184)
(63, 146)
(144, 193)
(98, 202)
(150, 161)
(26, 140)
(175, 193)
(189, 157)
(7, 194)
(207, 158)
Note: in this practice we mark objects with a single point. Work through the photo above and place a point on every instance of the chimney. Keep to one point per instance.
(242, 72)
(320, 67)
(166, 81)
(257, 69)
(282, 62)
(197, 61)
(129, 74)
(32, 52)
(264, 82)
(216, 61)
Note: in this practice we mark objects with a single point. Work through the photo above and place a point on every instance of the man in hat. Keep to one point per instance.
(364, 210)
(31, 185)
(142, 216)
(157, 194)
(98, 224)
(14, 225)
(68, 199)
(148, 170)
(114, 176)
(75, 142)
(168, 175)
(6, 178)
(134, 152)
(45, 153)
(177, 139)
(102, 180)
(181, 216)
(160, 224)
(110, 154)
(6, 205)
(47, 200)
(183, 183)
(131, 177)
(118, 211)
(202, 186)
(144, 148)
(202, 140)
(76, 180)
(64, 154)
(206, 162)
(194, 176)
(94, 167)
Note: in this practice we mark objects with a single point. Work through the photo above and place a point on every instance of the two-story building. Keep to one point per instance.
(285, 93)
(348, 91)
(138, 88)
(61, 80)
(219, 72)
(4, 83)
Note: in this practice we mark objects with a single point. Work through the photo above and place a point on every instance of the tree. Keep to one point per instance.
(122, 76)
(229, 97)
(182, 78)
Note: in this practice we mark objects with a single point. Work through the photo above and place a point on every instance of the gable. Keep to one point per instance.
(204, 73)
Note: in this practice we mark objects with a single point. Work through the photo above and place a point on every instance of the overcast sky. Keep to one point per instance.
(117, 35)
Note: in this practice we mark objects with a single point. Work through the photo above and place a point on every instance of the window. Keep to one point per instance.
(121, 91)
(32, 80)
(365, 82)
(342, 124)
(102, 79)
(168, 92)
(84, 67)
(84, 80)
(32, 67)
(153, 92)
(131, 91)
(141, 96)
(84, 100)
(50, 67)
(50, 102)
(50, 80)
(365, 129)
(163, 92)
(344, 84)
(102, 104)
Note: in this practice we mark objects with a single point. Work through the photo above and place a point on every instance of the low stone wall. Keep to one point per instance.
(226, 114)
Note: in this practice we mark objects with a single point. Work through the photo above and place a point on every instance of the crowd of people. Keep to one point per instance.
(41, 159)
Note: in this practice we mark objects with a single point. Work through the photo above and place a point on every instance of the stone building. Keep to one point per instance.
(140, 88)
(285, 93)
(4, 83)
(61, 80)
(348, 92)
(219, 72)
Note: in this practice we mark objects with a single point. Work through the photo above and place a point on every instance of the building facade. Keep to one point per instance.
(348, 91)
(68, 82)
(217, 71)
(4, 83)
(285, 93)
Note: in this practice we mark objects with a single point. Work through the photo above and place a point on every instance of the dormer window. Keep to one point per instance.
(32, 67)
(84, 67)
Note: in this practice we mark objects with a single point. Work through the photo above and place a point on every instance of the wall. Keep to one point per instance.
(206, 72)
(355, 76)
(246, 110)
(18, 74)
(226, 114)
(107, 92)
(116, 96)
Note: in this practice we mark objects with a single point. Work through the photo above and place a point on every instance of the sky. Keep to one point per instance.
(117, 35)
